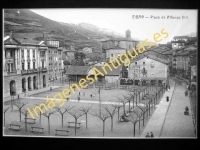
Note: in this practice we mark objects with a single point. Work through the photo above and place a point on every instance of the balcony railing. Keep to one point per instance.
(24, 72)
(30, 71)
(44, 69)
(12, 72)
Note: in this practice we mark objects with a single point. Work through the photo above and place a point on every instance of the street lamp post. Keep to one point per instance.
(99, 102)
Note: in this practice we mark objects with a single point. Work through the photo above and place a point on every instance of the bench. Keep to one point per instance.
(30, 120)
(15, 126)
(72, 124)
(37, 129)
(62, 132)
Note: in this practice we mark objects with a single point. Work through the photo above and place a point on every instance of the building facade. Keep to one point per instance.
(114, 47)
(25, 65)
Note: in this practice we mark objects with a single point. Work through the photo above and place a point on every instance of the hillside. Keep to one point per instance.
(28, 23)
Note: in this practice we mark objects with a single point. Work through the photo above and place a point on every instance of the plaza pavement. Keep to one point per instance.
(168, 120)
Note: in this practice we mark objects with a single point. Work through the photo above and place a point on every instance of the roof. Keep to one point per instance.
(114, 72)
(181, 37)
(169, 52)
(180, 41)
(77, 70)
(160, 48)
(119, 39)
(117, 47)
(66, 62)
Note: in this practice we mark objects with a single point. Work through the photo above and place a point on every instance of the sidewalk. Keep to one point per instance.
(177, 124)
(23, 95)
(157, 119)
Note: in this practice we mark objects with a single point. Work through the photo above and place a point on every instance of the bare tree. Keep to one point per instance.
(103, 117)
(123, 101)
(129, 99)
(40, 111)
(19, 106)
(48, 114)
(25, 113)
(111, 113)
(76, 116)
(4, 113)
(134, 121)
(62, 112)
(118, 107)
(144, 110)
(85, 110)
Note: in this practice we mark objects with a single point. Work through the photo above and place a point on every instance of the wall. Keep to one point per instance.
(159, 69)
(111, 79)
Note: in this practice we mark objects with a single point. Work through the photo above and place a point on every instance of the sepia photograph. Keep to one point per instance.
(100, 73)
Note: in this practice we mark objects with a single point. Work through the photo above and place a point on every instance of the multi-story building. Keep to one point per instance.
(25, 65)
(114, 47)
(55, 59)
(148, 68)
(179, 41)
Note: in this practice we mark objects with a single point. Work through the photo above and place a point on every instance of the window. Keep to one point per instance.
(28, 51)
(143, 63)
(22, 53)
(49, 51)
(135, 63)
(33, 65)
(42, 53)
(33, 53)
(22, 66)
(42, 64)
(28, 65)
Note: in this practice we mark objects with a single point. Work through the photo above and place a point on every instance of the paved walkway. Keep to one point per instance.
(22, 95)
(157, 119)
(176, 123)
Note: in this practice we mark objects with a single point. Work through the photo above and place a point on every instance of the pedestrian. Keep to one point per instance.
(152, 134)
(78, 98)
(167, 98)
(90, 95)
(79, 93)
(147, 135)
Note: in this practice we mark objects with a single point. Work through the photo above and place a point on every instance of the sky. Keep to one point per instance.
(119, 20)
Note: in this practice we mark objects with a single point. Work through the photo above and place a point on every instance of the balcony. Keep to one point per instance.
(23, 72)
(33, 59)
(44, 69)
(30, 71)
(12, 72)
(28, 59)
(35, 70)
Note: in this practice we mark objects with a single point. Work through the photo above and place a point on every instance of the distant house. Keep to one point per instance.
(148, 68)
(87, 50)
(75, 73)
(111, 76)
(179, 41)
(114, 47)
